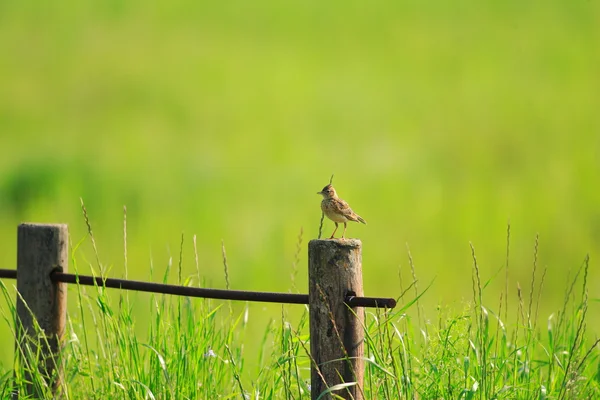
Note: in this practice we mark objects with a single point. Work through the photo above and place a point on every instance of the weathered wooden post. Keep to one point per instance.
(40, 250)
(336, 332)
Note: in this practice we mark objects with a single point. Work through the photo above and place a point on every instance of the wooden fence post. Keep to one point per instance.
(336, 332)
(40, 250)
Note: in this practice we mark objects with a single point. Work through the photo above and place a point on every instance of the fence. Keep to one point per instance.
(335, 302)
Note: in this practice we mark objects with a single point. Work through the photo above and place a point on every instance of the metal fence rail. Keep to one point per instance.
(221, 294)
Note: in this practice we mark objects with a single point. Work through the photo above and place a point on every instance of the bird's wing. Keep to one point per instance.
(343, 208)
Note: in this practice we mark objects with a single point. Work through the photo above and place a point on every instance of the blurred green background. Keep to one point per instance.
(441, 120)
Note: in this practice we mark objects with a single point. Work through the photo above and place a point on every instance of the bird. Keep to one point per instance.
(337, 209)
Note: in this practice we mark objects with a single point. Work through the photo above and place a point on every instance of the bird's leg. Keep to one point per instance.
(344, 234)
(336, 226)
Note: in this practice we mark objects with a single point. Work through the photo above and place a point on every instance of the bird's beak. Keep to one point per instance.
(319, 192)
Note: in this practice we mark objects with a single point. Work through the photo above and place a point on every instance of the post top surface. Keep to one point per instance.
(352, 243)
(26, 225)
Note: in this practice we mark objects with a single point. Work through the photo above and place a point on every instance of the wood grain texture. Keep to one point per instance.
(40, 250)
(336, 331)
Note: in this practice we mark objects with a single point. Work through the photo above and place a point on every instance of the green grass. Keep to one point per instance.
(198, 348)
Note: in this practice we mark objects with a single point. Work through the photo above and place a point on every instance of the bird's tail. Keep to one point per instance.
(360, 219)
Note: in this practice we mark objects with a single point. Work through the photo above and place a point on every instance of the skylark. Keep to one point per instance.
(337, 209)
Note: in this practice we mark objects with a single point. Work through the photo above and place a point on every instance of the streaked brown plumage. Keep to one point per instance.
(337, 209)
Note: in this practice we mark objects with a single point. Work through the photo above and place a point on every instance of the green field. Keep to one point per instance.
(441, 122)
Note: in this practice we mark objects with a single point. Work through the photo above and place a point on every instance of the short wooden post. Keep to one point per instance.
(336, 332)
(40, 250)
